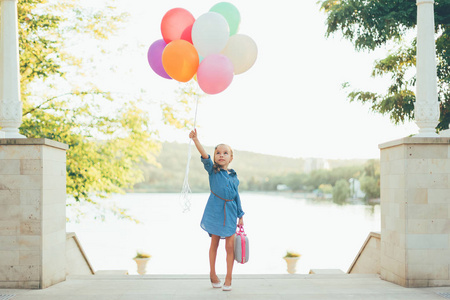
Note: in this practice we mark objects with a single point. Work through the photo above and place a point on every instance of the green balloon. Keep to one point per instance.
(230, 13)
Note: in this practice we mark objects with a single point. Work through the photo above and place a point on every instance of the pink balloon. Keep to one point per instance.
(177, 24)
(154, 55)
(215, 73)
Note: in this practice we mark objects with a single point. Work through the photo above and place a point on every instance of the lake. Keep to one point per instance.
(327, 235)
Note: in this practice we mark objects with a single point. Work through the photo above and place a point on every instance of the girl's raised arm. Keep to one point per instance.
(193, 136)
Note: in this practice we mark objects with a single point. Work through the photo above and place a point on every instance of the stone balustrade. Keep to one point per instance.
(32, 213)
(415, 211)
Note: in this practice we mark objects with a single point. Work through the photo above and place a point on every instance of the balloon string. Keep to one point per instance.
(196, 107)
(185, 195)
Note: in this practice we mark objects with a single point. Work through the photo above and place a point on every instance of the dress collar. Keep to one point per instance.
(232, 172)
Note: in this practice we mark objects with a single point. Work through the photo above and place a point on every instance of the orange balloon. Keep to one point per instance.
(180, 60)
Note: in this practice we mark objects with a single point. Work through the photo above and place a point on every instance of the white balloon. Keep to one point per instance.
(210, 33)
(242, 51)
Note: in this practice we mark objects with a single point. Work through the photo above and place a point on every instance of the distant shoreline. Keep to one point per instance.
(298, 195)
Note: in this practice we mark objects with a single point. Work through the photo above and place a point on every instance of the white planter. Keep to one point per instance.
(291, 264)
(141, 265)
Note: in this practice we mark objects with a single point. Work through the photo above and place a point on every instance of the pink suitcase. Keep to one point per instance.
(241, 247)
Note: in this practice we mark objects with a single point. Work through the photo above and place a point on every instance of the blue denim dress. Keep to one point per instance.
(224, 204)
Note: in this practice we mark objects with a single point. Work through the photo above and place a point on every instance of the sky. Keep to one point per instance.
(290, 103)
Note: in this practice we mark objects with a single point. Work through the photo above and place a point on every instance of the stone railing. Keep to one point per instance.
(367, 261)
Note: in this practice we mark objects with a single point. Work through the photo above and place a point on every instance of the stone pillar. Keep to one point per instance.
(415, 212)
(10, 103)
(426, 108)
(32, 213)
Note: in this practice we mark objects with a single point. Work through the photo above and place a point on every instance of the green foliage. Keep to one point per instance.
(372, 168)
(168, 174)
(292, 254)
(297, 181)
(38, 41)
(370, 180)
(341, 191)
(330, 177)
(96, 168)
(108, 135)
(370, 186)
(370, 24)
(326, 188)
(177, 114)
(142, 255)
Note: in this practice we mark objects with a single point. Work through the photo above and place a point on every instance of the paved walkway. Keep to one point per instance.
(261, 287)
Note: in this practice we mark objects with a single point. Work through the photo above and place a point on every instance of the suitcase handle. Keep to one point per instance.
(240, 232)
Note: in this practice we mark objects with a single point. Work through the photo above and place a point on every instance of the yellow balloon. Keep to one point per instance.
(242, 51)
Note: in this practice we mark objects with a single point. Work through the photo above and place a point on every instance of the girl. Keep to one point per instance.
(223, 207)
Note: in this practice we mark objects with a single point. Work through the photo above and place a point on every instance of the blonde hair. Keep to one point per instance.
(216, 166)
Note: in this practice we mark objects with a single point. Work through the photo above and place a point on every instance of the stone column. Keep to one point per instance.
(32, 213)
(415, 212)
(10, 103)
(426, 108)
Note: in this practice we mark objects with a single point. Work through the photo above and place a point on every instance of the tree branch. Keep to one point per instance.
(63, 95)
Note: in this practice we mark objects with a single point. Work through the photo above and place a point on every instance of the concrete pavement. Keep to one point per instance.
(261, 287)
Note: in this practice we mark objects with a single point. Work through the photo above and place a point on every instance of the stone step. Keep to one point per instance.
(112, 276)
(326, 271)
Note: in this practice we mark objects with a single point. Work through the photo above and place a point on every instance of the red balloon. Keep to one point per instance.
(177, 24)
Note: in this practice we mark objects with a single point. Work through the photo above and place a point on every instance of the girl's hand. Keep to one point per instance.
(241, 222)
(193, 134)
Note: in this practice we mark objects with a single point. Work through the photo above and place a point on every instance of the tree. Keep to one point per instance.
(297, 181)
(370, 24)
(372, 168)
(370, 180)
(370, 186)
(108, 135)
(326, 188)
(341, 191)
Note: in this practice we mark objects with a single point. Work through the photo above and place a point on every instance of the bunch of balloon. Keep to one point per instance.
(208, 47)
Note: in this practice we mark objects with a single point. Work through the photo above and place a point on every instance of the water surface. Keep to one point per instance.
(325, 234)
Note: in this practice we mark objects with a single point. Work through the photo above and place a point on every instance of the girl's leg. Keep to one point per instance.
(229, 247)
(215, 239)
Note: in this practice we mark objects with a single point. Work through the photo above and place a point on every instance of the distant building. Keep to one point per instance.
(312, 164)
(355, 189)
(282, 187)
